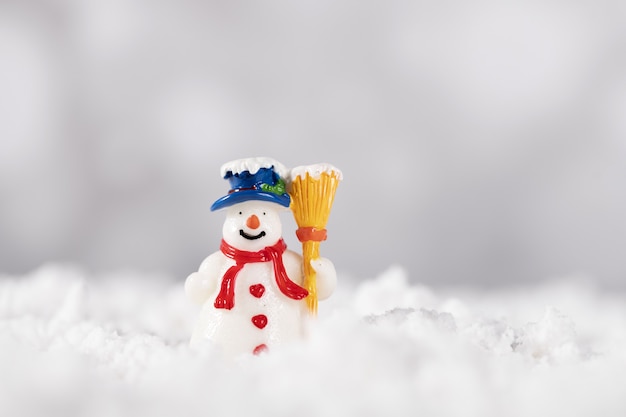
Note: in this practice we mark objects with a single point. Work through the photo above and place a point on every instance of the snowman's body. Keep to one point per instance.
(262, 316)
(255, 306)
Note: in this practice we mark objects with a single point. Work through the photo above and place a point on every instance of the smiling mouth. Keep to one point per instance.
(250, 237)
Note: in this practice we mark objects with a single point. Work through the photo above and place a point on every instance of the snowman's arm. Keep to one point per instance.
(199, 285)
(324, 268)
(326, 277)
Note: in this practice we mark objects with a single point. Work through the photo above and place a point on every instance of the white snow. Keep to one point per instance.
(75, 344)
(253, 165)
(315, 171)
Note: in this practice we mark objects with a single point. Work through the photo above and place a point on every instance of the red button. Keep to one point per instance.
(260, 349)
(257, 290)
(260, 321)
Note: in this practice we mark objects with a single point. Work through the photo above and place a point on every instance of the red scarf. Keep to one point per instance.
(226, 297)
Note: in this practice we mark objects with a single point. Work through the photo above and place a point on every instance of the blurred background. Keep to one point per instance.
(482, 143)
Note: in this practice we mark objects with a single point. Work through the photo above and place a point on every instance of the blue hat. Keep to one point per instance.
(263, 184)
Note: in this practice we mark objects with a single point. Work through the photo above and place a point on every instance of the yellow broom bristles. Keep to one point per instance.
(311, 202)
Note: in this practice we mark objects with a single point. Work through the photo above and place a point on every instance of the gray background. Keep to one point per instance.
(481, 143)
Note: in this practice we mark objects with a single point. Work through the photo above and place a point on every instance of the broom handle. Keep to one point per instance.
(310, 250)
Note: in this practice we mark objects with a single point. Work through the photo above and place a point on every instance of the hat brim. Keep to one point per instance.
(247, 195)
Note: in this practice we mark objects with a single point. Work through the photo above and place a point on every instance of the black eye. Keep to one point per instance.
(240, 213)
(264, 213)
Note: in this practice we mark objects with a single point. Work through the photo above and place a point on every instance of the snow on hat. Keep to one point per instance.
(254, 179)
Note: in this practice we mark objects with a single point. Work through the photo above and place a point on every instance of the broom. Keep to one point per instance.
(312, 191)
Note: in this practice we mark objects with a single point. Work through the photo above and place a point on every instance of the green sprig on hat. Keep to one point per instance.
(278, 189)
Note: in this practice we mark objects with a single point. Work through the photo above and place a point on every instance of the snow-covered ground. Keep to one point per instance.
(74, 344)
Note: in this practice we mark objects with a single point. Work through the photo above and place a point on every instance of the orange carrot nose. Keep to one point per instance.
(253, 222)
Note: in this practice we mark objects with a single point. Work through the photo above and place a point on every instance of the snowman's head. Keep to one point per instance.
(252, 225)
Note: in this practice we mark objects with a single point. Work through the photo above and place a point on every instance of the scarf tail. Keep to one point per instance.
(226, 297)
(286, 285)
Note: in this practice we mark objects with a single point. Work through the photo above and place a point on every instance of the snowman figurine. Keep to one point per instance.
(251, 289)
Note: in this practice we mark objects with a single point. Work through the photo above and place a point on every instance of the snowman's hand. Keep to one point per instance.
(326, 277)
(199, 286)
